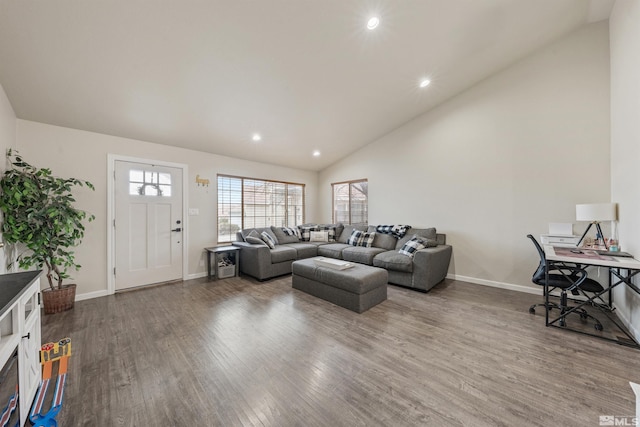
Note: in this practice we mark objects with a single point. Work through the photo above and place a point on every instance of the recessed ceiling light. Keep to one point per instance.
(373, 22)
(256, 137)
(425, 83)
(316, 153)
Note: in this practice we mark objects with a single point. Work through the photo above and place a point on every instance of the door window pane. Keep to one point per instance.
(149, 183)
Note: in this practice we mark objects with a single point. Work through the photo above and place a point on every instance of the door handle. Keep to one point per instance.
(177, 229)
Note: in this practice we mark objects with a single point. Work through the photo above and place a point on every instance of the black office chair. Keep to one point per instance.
(571, 278)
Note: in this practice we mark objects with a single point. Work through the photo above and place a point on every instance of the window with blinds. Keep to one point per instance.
(254, 203)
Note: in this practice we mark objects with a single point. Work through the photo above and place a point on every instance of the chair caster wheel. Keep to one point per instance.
(532, 310)
(562, 322)
(584, 316)
(598, 327)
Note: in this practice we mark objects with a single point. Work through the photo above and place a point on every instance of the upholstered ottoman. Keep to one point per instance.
(357, 288)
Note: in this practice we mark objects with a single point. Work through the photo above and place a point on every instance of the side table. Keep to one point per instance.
(232, 253)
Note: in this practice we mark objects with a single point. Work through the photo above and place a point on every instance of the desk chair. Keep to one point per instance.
(571, 278)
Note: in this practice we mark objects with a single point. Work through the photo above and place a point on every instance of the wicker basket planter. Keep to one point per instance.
(58, 300)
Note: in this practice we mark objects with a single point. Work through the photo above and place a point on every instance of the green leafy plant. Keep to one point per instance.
(39, 214)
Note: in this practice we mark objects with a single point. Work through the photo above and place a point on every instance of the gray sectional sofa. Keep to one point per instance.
(423, 271)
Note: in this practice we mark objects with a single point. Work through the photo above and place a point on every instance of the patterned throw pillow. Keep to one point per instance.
(367, 239)
(291, 231)
(396, 230)
(361, 238)
(415, 244)
(266, 237)
(330, 229)
(356, 236)
(305, 232)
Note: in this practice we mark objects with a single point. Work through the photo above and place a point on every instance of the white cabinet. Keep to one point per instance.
(29, 349)
(20, 329)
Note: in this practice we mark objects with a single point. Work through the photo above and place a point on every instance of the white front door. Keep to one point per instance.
(148, 224)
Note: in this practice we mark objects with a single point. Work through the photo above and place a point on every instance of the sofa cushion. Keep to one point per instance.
(360, 254)
(384, 241)
(284, 237)
(392, 260)
(268, 239)
(347, 230)
(429, 233)
(304, 250)
(316, 243)
(283, 253)
(415, 244)
(332, 250)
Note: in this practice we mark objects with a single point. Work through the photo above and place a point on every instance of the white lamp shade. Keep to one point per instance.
(596, 212)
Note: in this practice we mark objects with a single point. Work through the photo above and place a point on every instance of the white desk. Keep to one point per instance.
(621, 270)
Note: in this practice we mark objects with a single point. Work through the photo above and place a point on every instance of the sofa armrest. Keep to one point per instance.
(255, 260)
(430, 266)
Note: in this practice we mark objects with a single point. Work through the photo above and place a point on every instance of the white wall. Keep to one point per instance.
(625, 139)
(7, 140)
(497, 162)
(83, 155)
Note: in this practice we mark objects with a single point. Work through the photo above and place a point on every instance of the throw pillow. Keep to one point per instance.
(291, 231)
(253, 233)
(319, 236)
(266, 237)
(367, 239)
(330, 229)
(305, 232)
(361, 238)
(415, 244)
(356, 236)
(396, 230)
(255, 240)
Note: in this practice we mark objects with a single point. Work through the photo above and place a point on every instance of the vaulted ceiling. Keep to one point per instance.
(305, 74)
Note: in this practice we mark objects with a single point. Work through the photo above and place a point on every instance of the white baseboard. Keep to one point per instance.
(91, 295)
(530, 290)
(494, 284)
(627, 323)
(98, 294)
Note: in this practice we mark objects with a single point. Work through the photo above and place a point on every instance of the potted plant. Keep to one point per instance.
(40, 219)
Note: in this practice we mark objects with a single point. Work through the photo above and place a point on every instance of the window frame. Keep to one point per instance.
(333, 198)
(243, 201)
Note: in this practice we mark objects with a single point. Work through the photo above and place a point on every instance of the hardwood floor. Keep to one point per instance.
(241, 353)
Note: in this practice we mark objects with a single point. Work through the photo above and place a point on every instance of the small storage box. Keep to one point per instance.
(226, 271)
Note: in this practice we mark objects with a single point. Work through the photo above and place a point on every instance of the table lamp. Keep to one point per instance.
(596, 213)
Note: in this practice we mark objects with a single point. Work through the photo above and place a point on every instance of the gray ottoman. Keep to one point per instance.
(357, 288)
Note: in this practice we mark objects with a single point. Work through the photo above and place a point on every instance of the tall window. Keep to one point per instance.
(249, 203)
(351, 202)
